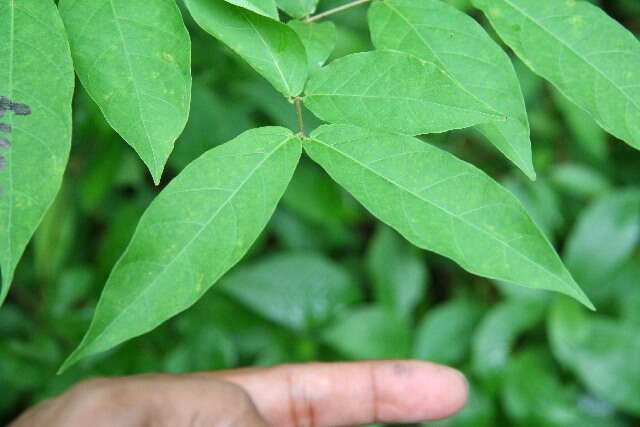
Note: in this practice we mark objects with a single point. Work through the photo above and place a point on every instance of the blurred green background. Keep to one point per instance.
(327, 282)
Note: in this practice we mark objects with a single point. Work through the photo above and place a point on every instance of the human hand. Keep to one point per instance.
(314, 394)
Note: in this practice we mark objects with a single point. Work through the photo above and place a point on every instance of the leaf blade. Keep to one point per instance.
(263, 7)
(434, 31)
(319, 40)
(298, 8)
(586, 54)
(300, 291)
(136, 65)
(394, 92)
(247, 175)
(443, 204)
(273, 49)
(36, 149)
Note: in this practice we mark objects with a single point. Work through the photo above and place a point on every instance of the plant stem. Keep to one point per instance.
(298, 103)
(335, 10)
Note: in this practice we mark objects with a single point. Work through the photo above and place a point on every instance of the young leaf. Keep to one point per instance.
(443, 204)
(605, 236)
(319, 41)
(393, 91)
(444, 334)
(496, 334)
(438, 33)
(266, 8)
(370, 332)
(197, 228)
(36, 76)
(135, 62)
(398, 272)
(298, 8)
(300, 291)
(272, 48)
(601, 351)
(589, 57)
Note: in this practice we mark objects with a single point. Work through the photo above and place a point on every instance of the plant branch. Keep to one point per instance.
(298, 103)
(335, 10)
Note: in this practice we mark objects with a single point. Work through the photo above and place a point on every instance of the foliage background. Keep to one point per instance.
(326, 282)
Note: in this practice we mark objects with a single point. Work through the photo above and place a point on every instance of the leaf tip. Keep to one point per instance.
(531, 173)
(69, 361)
(582, 298)
(156, 175)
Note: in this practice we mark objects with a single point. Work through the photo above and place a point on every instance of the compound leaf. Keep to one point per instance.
(266, 8)
(393, 91)
(36, 87)
(439, 33)
(442, 204)
(298, 8)
(195, 230)
(134, 59)
(588, 56)
(272, 48)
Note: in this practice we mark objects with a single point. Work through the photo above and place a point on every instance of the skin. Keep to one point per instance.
(305, 395)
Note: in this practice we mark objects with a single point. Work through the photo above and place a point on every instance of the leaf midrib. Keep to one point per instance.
(7, 274)
(455, 80)
(406, 98)
(439, 59)
(570, 48)
(196, 235)
(417, 196)
(135, 87)
(268, 49)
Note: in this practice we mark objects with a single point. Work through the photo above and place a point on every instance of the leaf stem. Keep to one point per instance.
(335, 10)
(298, 103)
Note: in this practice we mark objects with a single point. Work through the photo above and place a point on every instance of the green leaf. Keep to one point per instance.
(298, 8)
(392, 91)
(370, 332)
(319, 41)
(135, 62)
(605, 236)
(398, 272)
(479, 411)
(197, 228)
(541, 202)
(300, 291)
(588, 56)
(266, 8)
(444, 334)
(497, 333)
(588, 139)
(579, 180)
(56, 237)
(442, 204)
(439, 33)
(35, 70)
(533, 395)
(601, 351)
(272, 48)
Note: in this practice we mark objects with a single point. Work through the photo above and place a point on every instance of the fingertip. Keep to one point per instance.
(427, 391)
(456, 392)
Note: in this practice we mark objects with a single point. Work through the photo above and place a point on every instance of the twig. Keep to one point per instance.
(335, 10)
(298, 103)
